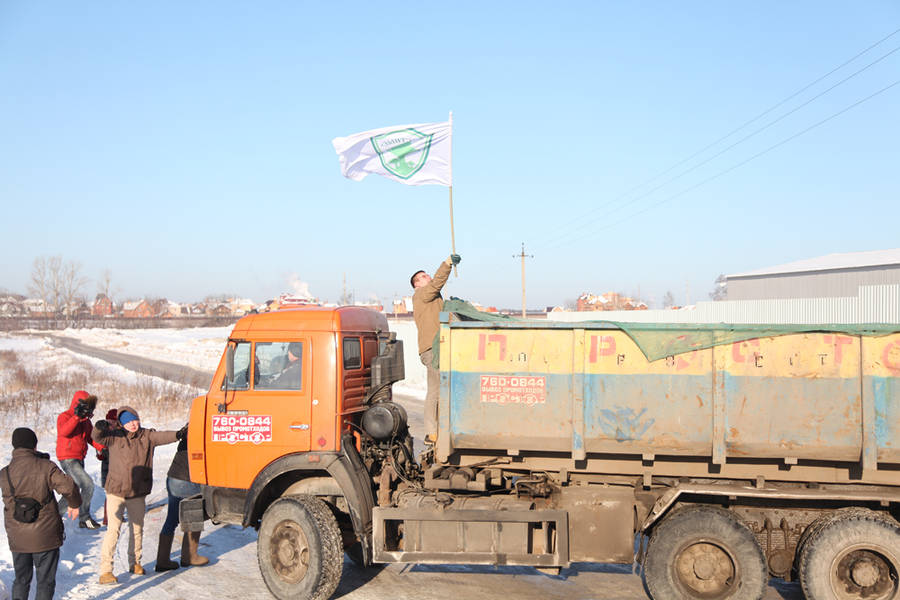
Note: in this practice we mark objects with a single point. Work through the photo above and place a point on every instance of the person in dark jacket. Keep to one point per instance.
(35, 545)
(73, 434)
(129, 481)
(179, 486)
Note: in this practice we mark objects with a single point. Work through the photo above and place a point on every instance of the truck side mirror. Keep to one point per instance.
(229, 363)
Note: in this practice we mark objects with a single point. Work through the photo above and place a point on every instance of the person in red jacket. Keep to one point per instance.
(73, 434)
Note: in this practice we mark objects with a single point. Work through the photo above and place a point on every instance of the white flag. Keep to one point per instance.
(410, 154)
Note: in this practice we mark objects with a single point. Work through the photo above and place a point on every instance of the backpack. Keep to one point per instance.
(26, 510)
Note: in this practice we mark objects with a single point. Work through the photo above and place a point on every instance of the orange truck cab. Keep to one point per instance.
(279, 417)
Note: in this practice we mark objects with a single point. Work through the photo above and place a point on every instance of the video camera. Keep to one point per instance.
(85, 407)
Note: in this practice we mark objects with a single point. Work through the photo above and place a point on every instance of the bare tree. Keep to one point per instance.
(71, 286)
(58, 284)
(720, 291)
(43, 283)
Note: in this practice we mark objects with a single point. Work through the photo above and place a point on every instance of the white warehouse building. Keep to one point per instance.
(830, 276)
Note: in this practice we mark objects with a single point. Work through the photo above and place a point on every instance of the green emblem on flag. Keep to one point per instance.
(403, 152)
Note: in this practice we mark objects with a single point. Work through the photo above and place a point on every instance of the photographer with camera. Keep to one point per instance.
(73, 434)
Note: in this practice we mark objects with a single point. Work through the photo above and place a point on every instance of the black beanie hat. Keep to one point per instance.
(23, 437)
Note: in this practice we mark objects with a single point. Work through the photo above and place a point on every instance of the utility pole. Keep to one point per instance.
(523, 256)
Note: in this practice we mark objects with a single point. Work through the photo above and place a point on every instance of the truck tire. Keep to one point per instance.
(817, 526)
(852, 556)
(299, 549)
(704, 553)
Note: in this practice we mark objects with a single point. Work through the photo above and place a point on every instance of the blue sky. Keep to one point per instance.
(186, 147)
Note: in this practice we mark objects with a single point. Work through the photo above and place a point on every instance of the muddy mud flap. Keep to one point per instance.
(191, 513)
(481, 537)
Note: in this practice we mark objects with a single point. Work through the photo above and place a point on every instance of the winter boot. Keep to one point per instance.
(107, 578)
(189, 545)
(163, 562)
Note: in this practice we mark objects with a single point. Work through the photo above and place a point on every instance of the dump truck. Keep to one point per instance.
(715, 457)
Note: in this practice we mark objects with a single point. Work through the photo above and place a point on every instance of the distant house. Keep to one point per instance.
(173, 310)
(12, 305)
(137, 309)
(159, 307)
(198, 310)
(38, 309)
(285, 301)
(241, 306)
(103, 306)
(588, 301)
(403, 306)
(220, 310)
(79, 310)
(608, 301)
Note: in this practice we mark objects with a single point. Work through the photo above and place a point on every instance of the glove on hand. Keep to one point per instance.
(103, 426)
(181, 433)
(102, 454)
(83, 410)
(455, 259)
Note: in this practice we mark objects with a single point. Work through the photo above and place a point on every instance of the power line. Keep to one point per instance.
(742, 163)
(589, 222)
(726, 136)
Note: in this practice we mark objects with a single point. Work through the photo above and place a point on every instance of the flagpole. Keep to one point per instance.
(452, 234)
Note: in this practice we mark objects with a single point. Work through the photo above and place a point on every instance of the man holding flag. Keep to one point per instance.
(427, 307)
(414, 155)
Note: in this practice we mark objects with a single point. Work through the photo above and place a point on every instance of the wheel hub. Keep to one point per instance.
(705, 570)
(863, 574)
(289, 552)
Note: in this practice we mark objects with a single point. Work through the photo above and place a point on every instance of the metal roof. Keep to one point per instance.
(829, 262)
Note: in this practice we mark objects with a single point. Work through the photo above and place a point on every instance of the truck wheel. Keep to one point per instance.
(299, 549)
(704, 553)
(813, 528)
(853, 557)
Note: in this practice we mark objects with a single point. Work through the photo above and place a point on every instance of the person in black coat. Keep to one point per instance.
(35, 544)
(179, 486)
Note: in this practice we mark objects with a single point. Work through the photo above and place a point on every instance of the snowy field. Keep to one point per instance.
(234, 558)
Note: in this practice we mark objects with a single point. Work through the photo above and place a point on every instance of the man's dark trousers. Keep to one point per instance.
(44, 563)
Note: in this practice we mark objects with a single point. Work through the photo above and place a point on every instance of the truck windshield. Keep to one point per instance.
(279, 365)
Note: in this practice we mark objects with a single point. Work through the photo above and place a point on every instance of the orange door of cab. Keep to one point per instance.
(266, 411)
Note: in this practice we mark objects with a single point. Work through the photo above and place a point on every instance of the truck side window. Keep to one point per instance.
(352, 353)
(279, 365)
(241, 379)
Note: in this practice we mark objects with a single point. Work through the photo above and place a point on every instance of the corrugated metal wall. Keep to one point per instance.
(872, 304)
(814, 284)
